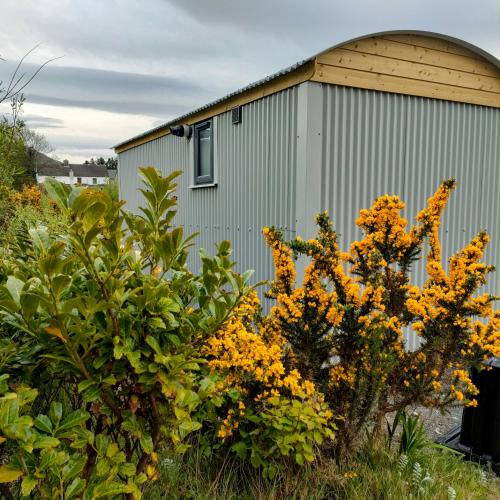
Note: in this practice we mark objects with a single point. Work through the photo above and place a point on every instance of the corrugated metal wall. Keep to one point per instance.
(372, 143)
(256, 173)
(378, 143)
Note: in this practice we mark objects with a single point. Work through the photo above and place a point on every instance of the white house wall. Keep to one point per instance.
(73, 180)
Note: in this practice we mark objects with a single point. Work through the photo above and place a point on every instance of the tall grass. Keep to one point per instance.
(374, 473)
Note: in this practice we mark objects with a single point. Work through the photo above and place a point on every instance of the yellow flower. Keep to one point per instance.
(350, 474)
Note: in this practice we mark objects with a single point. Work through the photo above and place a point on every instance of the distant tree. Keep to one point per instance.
(15, 138)
(35, 140)
(112, 163)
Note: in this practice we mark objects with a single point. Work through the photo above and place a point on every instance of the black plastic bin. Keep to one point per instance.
(480, 432)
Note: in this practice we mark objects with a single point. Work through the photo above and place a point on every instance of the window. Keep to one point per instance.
(78, 180)
(94, 180)
(203, 153)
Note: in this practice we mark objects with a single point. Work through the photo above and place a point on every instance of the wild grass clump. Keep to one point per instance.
(430, 472)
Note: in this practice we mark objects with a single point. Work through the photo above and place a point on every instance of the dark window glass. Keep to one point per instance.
(203, 153)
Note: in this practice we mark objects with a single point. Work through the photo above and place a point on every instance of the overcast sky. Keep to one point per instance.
(129, 65)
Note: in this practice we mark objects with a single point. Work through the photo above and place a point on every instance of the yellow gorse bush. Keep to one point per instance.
(342, 328)
(266, 407)
(29, 195)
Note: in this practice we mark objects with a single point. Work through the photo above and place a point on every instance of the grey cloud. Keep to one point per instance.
(82, 154)
(39, 121)
(118, 92)
(88, 143)
(322, 23)
(161, 58)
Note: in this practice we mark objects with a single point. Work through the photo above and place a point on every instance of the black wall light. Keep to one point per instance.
(181, 131)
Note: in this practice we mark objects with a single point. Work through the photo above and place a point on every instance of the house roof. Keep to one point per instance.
(49, 167)
(88, 170)
(308, 70)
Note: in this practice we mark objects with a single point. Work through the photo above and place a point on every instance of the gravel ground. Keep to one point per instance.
(437, 424)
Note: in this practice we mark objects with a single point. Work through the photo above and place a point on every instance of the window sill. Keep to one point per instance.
(207, 185)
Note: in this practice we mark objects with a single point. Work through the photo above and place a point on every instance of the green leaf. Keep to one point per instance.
(224, 248)
(83, 437)
(247, 275)
(74, 419)
(146, 443)
(74, 467)
(15, 286)
(153, 343)
(240, 448)
(28, 485)
(43, 423)
(98, 362)
(58, 192)
(40, 238)
(50, 458)
(111, 488)
(318, 437)
(29, 303)
(85, 384)
(112, 450)
(102, 468)
(156, 323)
(128, 469)
(187, 398)
(9, 473)
(75, 488)
(91, 395)
(59, 283)
(102, 443)
(4, 386)
(46, 442)
(55, 412)
(174, 339)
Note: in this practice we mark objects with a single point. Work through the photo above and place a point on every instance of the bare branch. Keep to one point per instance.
(17, 81)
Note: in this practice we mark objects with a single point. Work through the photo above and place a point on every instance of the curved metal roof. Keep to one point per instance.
(473, 48)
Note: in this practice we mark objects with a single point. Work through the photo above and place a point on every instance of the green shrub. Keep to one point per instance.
(110, 313)
(44, 451)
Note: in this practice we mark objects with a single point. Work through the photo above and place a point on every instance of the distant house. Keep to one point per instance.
(86, 175)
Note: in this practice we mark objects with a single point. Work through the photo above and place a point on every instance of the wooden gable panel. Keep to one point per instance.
(413, 65)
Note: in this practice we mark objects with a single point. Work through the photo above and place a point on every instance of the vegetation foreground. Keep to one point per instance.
(124, 374)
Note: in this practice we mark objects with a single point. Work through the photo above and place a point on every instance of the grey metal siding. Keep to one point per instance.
(371, 143)
(378, 143)
(256, 173)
